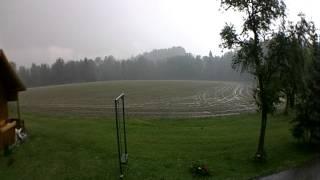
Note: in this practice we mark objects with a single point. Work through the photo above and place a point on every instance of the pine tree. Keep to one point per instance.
(210, 55)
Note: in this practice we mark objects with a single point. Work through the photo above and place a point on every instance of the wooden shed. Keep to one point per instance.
(10, 86)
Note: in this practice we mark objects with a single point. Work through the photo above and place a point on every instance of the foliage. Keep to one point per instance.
(290, 48)
(199, 169)
(307, 121)
(252, 52)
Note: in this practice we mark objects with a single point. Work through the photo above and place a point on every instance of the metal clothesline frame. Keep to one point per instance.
(122, 156)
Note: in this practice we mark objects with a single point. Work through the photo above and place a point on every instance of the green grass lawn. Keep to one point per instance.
(74, 147)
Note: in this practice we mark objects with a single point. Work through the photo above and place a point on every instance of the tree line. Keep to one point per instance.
(164, 64)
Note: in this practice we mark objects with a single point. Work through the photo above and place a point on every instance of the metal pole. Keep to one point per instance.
(124, 127)
(118, 143)
(20, 121)
(18, 107)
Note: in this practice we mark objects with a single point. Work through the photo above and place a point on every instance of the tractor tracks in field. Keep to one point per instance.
(218, 99)
(234, 98)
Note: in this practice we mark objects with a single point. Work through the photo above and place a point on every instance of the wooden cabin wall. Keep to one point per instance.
(3, 104)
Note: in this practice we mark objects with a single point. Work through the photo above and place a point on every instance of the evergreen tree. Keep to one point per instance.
(210, 55)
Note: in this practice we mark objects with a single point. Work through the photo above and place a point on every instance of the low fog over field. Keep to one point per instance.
(162, 64)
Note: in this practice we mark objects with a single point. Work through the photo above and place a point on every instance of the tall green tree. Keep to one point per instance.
(307, 120)
(291, 46)
(251, 54)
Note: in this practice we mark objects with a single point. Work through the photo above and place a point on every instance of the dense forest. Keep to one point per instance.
(162, 64)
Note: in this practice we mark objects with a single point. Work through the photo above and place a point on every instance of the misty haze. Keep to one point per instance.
(160, 89)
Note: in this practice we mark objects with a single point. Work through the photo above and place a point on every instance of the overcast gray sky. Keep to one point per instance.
(42, 30)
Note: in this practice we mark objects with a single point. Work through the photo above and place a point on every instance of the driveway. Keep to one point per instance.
(310, 171)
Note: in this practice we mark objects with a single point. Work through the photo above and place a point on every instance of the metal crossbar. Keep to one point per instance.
(121, 135)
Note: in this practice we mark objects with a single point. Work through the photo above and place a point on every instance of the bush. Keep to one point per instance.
(199, 169)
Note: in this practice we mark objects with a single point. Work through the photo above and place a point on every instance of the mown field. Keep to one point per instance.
(144, 98)
(72, 132)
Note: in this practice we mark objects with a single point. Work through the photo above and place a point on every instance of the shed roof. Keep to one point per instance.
(8, 77)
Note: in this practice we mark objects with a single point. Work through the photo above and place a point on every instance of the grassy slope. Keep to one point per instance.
(83, 148)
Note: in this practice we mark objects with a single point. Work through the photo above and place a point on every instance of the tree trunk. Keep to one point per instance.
(260, 155)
